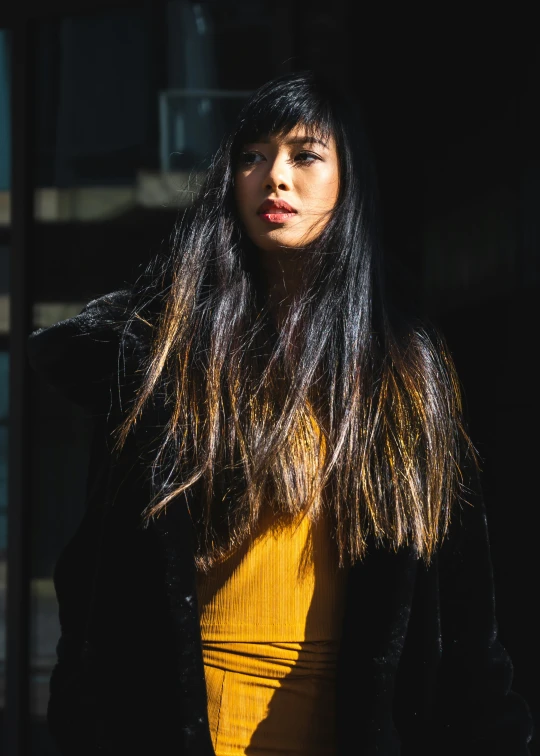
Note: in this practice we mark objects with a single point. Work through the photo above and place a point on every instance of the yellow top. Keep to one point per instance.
(284, 585)
(271, 617)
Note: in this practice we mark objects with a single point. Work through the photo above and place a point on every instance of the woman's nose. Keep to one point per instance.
(277, 177)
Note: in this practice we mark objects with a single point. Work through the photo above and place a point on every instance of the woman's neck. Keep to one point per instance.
(282, 274)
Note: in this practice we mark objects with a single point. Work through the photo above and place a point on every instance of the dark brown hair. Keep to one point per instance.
(247, 415)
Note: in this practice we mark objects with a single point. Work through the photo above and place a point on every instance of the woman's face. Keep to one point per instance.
(286, 188)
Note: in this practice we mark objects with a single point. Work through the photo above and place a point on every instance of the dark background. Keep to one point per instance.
(451, 105)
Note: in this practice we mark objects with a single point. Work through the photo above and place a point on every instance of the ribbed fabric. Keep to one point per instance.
(271, 617)
(283, 586)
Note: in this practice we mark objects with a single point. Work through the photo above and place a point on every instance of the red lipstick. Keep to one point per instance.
(276, 211)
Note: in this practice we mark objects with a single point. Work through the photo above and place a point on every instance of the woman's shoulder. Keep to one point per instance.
(79, 355)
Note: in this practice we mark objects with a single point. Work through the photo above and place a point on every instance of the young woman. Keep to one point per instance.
(285, 545)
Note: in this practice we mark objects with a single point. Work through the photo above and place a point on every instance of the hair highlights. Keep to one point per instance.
(362, 417)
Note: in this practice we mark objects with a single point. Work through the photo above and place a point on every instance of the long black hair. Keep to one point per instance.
(347, 409)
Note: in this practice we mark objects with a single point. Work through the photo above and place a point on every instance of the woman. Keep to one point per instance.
(285, 546)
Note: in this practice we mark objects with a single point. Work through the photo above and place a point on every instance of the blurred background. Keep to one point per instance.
(108, 116)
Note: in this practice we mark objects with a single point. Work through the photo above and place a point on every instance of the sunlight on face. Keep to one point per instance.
(286, 188)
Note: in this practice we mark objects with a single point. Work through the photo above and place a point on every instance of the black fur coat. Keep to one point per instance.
(421, 670)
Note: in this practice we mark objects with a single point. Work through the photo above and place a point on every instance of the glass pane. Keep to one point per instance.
(131, 102)
(192, 123)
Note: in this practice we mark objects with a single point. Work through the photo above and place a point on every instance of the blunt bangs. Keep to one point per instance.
(280, 106)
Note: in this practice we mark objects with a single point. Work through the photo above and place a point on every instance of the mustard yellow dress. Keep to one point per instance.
(271, 617)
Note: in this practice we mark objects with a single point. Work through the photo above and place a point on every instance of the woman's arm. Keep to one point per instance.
(478, 712)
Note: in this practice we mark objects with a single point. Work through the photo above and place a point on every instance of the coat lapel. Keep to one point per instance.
(378, 603)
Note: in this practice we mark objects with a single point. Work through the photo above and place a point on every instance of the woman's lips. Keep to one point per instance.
(276, 217)
(276, 211)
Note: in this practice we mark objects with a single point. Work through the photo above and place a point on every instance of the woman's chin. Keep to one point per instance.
(279, 239)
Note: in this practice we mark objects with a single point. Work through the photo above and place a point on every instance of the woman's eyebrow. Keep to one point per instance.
(293, 140)
(308, 139)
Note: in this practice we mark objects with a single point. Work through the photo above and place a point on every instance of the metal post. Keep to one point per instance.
(18, 552)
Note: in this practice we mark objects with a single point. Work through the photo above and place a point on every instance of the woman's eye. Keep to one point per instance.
(249, 158)
(306, 157)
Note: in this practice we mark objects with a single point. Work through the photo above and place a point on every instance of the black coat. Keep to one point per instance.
(420, 668)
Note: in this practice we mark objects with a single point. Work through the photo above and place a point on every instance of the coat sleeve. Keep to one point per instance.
(80, 356)
(478, 712)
